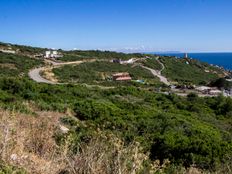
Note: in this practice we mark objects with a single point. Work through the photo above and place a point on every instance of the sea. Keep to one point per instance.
(221, 59)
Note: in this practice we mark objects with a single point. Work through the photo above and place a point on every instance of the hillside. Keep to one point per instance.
(190, 71)
(16, 65)
(128, 128)
(21, 49)
(101, 73)
(96, 54)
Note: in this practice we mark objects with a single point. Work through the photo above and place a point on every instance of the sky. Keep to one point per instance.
(119, 25)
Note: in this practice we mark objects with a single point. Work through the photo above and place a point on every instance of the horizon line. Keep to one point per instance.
(122, 50)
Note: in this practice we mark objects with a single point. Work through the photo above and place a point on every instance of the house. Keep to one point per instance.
(52, 54)
(122, 77)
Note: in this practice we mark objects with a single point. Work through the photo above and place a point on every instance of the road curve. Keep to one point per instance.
(161, 65)
(34, 74)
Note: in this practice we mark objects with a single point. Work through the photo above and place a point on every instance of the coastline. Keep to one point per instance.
(214, 58)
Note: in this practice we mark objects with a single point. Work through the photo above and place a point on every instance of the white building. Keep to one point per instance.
(52, 54)
(47, 54)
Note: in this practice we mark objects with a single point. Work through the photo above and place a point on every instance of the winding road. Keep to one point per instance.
(157, 73)
(34, 74)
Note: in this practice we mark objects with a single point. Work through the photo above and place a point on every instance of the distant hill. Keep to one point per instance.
(183, 71)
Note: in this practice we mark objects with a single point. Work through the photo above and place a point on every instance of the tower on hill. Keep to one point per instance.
(185, 55)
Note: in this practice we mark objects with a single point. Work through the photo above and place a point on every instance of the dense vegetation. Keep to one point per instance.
(189, 71)
(80, 55)
(186, 131)
(152, 63)
(5, 169)
(100, 72)
(23, 50)
(13, 65)
(221, 83)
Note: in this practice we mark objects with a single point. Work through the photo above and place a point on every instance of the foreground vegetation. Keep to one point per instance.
(185, 131)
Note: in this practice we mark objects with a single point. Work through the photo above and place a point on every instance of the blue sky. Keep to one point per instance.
(122, 25)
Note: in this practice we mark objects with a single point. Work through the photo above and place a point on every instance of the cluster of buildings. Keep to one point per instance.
(49, 54)
(52, 54)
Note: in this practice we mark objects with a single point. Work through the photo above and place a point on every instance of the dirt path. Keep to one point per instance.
(158, 74)
(163, 67)
(54, 63)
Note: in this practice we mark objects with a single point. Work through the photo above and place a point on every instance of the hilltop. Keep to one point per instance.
(87, 122)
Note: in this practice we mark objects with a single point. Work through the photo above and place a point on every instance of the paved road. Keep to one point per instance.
(34, 74)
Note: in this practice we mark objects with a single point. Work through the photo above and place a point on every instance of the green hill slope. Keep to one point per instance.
(190, 71)
(14, 65)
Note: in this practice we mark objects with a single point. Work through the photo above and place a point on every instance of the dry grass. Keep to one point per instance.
(7, 65)
(27, 142)
(107, 157)
(49, 75)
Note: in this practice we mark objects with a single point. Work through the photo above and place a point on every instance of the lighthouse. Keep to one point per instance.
(186, 55)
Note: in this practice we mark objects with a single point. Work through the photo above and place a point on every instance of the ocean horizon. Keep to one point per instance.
(221, 59)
